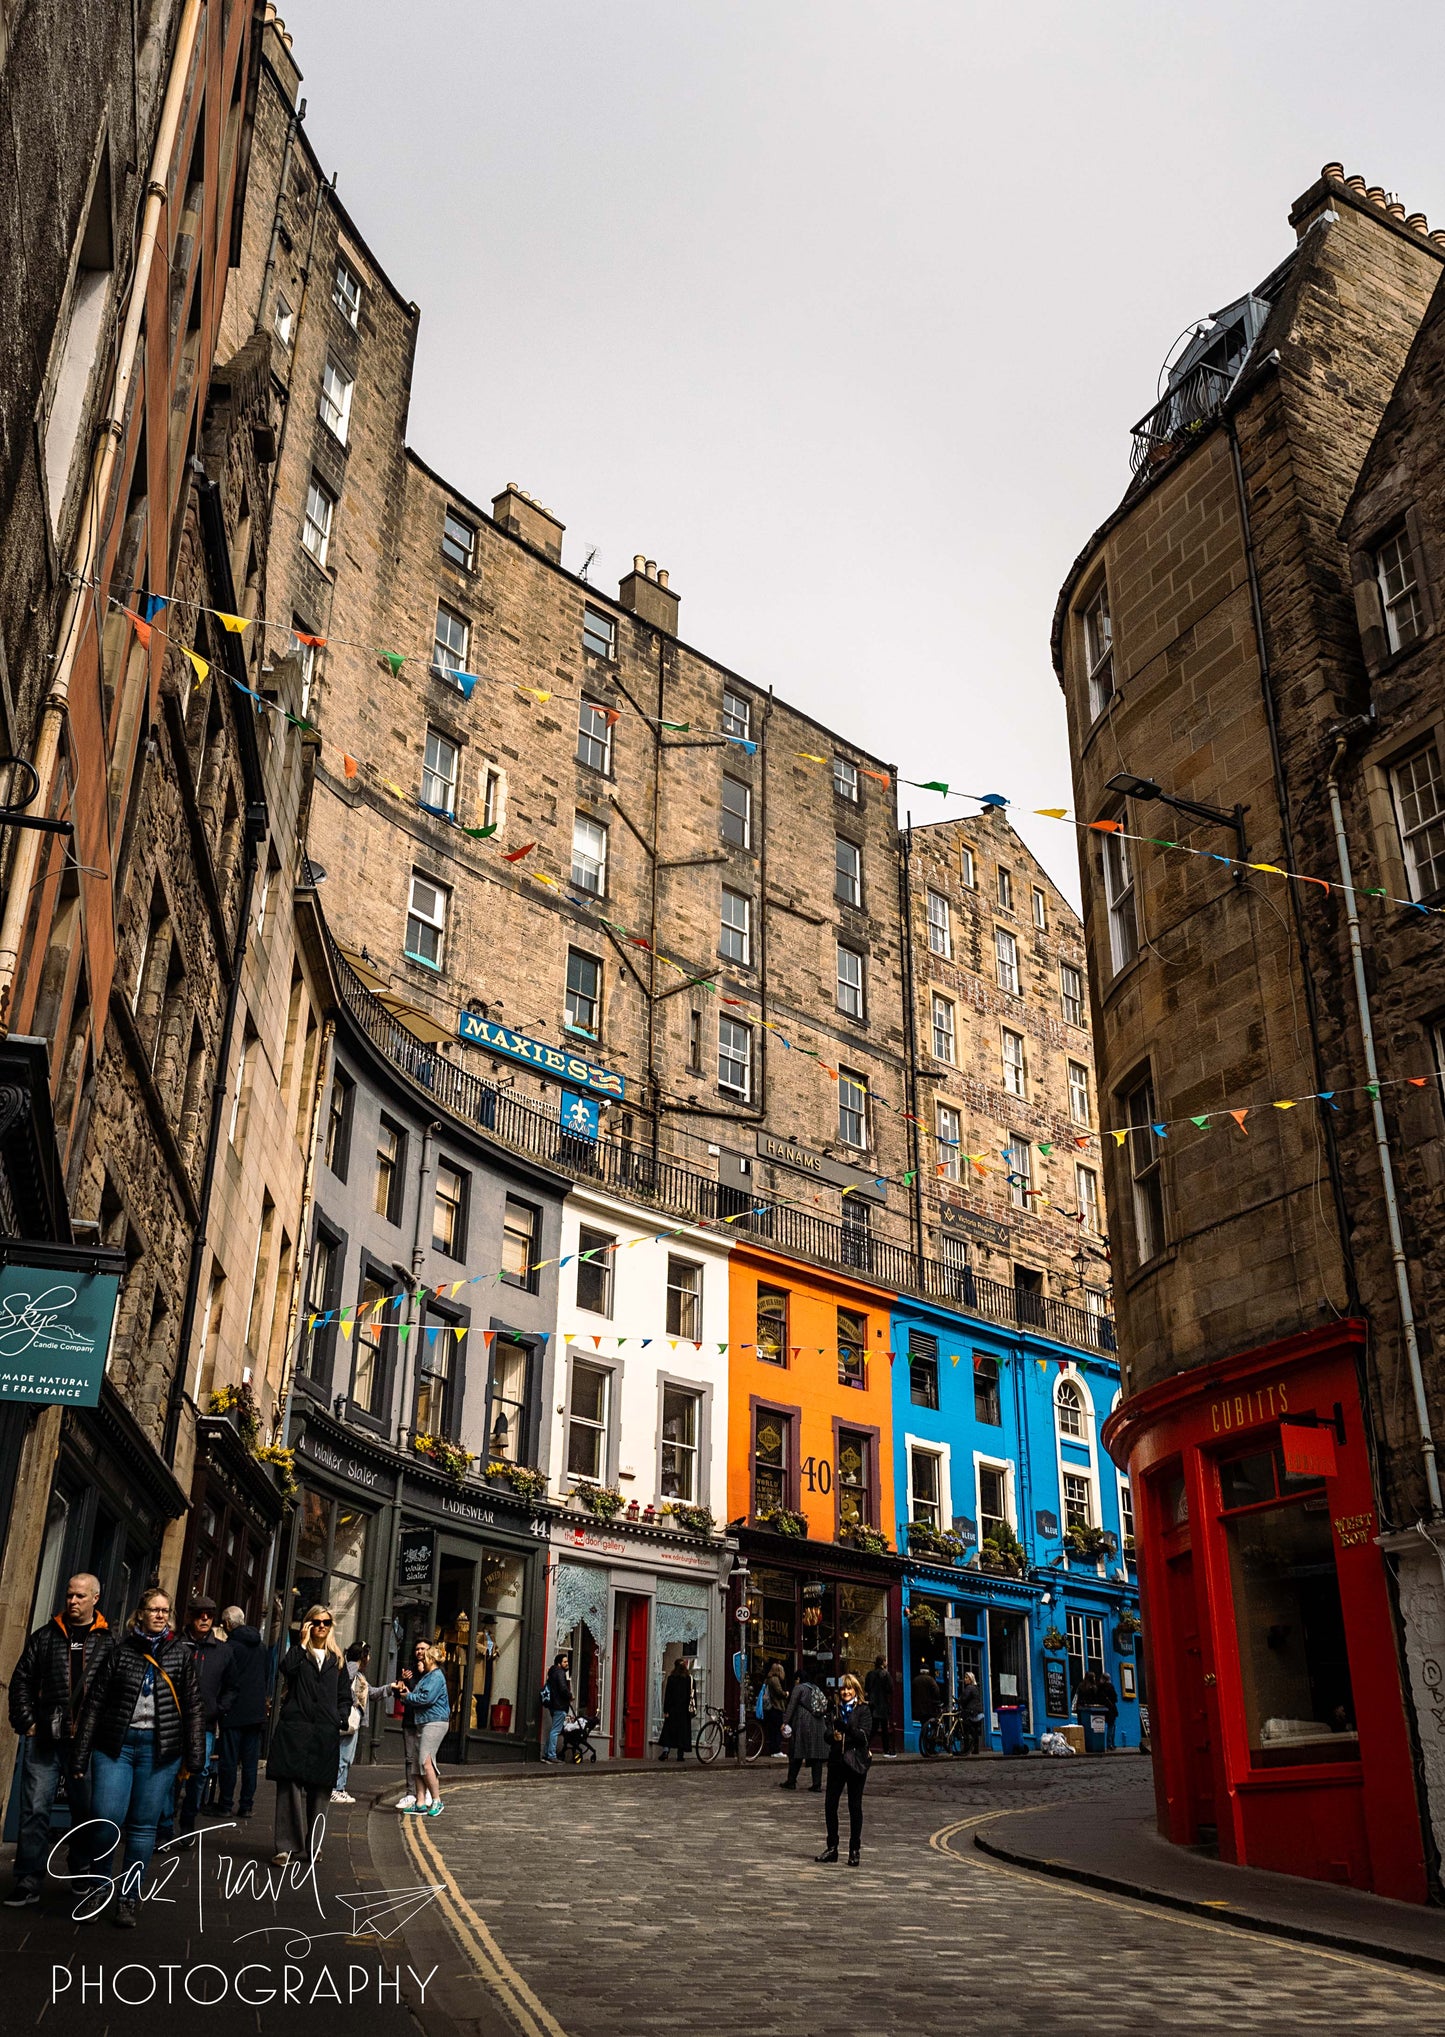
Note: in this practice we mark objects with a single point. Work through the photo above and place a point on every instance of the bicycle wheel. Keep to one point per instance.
(709, 1740)
(928, 1737)
(753, 1739)
(955, 1737)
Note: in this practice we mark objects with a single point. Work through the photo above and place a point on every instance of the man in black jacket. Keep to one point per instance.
(243, 1712)
(878, 1696)
(212, 1657)
(47, 1690)
(557, 1697)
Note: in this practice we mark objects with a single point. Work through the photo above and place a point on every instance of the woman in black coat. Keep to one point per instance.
(677, 1703)
(848, 1764)
(311, 1716)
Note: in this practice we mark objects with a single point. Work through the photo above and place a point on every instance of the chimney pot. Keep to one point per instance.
(1376, 194)
(1438, 236)
(516, 512)
(1395, 209)
(1418, 223)
(662, 576)
(651, 569)
(638, 562)
(1333, 170)
(1355, 184)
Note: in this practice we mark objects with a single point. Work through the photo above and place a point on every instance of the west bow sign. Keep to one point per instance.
(55, 1330)
(547, 1060)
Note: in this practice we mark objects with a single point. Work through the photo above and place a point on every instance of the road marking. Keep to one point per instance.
(1136, 1906)
(531, 2016)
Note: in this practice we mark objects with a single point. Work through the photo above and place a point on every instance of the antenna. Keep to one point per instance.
(587, 562)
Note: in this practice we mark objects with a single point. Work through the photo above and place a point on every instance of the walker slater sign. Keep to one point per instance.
(804, 1160)
(414, 1558)
(558, 1061)
(55, 1329)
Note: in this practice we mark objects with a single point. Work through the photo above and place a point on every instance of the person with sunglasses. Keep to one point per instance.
(310, 1721)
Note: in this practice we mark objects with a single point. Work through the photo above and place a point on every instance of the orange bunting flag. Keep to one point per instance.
(1239, 1117)
(881, 776)
(316, 643)
(236, 624)
(516, 855)
(1105, 827)
(611, 715)
(350, 766)
(142, 628)
(597, 1343)
(487, 1336)
(1417, 1081)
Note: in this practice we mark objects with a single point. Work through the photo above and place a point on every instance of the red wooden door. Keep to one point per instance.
(634, 1682)
(1191, 1697)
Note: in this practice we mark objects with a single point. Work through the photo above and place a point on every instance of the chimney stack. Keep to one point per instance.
(522, 516)
(645, 591)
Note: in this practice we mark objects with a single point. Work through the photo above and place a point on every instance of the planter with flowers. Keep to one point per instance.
(1127, 1631)
(923, 1617)
(784, 1521)
(1054, 1642)
(871, 1540)
(604, 1501)
(449, 1458)
(1002, 1552)
(283, 1463)
(527, 1484)
(692, 1519)
(239, 1402)
(940, 1543)
(1086, 1543)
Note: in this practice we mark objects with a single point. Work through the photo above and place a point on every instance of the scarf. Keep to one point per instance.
(150, 1643)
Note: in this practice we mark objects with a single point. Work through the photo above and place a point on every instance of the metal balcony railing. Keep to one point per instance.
(529, 1128)
(1183, 410)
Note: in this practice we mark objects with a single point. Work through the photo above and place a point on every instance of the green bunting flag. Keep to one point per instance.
(394, 659)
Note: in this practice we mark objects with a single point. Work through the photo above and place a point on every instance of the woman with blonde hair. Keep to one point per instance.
(427, 1711)
(311, 1715)
(848, 1764)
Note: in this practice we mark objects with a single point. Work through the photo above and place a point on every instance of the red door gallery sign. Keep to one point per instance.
(1308, 1453)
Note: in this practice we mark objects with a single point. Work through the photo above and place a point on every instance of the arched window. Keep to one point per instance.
(1070, 1403)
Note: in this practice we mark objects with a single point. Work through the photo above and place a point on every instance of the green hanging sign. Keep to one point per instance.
(55, 1331)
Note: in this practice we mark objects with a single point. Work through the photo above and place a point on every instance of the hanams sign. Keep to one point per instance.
(55, 1332)
(538, 1054)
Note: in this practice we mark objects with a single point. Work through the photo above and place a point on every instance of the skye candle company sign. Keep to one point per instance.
(54, 1333)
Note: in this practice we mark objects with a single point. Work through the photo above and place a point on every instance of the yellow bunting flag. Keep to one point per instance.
(236, 624)
(1120, 1137)
(1284, 1103)
(1053, 812)
(1273, 869)
(537, 694)
(199, 666)
(809, 757)
(387, 785)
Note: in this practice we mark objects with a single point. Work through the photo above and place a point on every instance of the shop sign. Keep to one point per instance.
(55, 1329)
(966, 1530)
(986, 1229)
(537, 1054)
(484, 1517)
(1048, 1526)
(1248, 1410)
(580, 1115)
(1353, 1529)
(1056, 1690)
(344, 1467)
(952, 1627)
(805, 1160)
(414, 1559)
(1308, 1452)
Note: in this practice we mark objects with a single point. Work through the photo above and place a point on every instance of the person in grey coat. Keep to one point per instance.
(807, 1723)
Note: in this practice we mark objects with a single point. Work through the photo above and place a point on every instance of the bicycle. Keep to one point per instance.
(718, 1734)
(943, 1734)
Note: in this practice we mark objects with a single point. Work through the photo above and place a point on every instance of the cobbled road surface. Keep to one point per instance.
(688, 1901)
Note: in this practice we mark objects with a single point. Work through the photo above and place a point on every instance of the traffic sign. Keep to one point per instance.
(744, 1614)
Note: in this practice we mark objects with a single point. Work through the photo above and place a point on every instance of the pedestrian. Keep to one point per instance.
(243, 1712)
(141, 1720)
(878, 1696)
(775, 1707)
(970, 1712)
(807, 1725)
(1106, 1700)
(679, 1700)
(212, 1654)
(47, 1692)
(557, 1697)
(357, 1657)
(927, 1704)
(311, 1716)
(848, 1764)
(426, 1714)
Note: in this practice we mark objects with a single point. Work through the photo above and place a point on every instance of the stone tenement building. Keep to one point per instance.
(133, 481)
(1226, 642)
(705, 901)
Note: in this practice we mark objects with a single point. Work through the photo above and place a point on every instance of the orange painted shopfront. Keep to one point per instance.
(810, 1466)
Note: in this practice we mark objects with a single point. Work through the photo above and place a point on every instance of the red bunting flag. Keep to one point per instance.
(516, 855)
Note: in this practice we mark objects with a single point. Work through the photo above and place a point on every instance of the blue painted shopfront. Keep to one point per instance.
(997, 1443)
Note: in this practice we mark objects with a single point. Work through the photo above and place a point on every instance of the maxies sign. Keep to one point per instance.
(547, 1060)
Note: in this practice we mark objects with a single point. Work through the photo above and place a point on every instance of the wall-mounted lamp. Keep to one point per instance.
(1148, 788)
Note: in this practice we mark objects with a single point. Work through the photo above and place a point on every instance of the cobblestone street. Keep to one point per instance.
(690, 1900)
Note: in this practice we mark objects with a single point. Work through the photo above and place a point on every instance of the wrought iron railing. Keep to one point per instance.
(1182, 411)
(530, 1128)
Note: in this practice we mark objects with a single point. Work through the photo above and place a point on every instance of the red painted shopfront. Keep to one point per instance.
(1278, 1717)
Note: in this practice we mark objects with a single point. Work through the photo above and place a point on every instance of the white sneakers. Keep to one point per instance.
(342, 1796)
(406, 1803)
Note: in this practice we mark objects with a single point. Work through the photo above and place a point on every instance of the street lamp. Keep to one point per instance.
(1148, 788)
(740, 1576)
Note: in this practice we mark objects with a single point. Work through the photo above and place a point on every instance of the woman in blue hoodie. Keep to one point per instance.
(426, 1716)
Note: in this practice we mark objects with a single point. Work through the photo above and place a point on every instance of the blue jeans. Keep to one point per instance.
(240, 1755)
(38, 1790)
(195, 1789)
(348, 1755)
(557, 1721)
(131, 1792)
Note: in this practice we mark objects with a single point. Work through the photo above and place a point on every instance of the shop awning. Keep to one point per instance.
(367, 971)
(420, 1024)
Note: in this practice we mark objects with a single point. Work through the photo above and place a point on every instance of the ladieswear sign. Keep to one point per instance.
(568, 1067)
(54, 1333)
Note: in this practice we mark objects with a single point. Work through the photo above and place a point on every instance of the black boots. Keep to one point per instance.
(828, 1853)
(853, 1858)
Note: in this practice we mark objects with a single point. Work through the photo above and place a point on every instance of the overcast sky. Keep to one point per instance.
(842, 310)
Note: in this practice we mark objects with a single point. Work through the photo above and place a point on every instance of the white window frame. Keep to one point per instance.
(734, 1050)
(1080, 1004)
(737, 715)
(599, 625)
(847, 871)
(1420, 862)
(600, 1429)
(453, 518)
(1086, 1191)
(845, 779)
(728, 813)
(984, 1460)
(1397, 576)
(1075, 1475)
(1005, 888)
(1146, 1162)
(735, 935)
(444, 660)
(944, 1017)
(855, 1085)
(594, 1031)
(691, 1452)
(320, 516)
(1068, 1397)
(1080, 1109)
(283, 319)
(438, 784)
(436, 919)
(948, 1133)
(1006, 962)
(940, 926)
(589, 855)
(587, 734)
(850, 990)
(1013, 1051)
(1021, 1172)
(1098, 649)
(685, 1295)
(346, 292)
(334, 408)
(925, 1446)
(968, 867)
(1041, 909)
(1121, 897)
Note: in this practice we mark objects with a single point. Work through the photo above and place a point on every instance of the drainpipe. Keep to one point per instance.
(414, 1312)
(89, 535)
(910, 1033)
(1382, 1141)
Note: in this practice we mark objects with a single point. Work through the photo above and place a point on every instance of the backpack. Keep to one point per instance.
(817, 1702)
